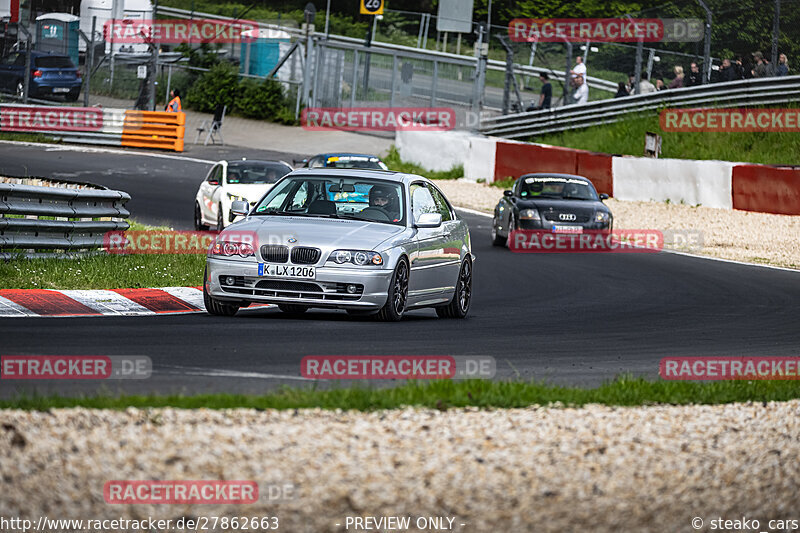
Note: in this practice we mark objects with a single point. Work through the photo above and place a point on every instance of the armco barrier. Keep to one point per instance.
(153, 129)
(57, 218)
(766, 189)
(116, 127)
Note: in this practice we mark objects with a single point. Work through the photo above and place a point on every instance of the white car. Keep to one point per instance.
(229, 181)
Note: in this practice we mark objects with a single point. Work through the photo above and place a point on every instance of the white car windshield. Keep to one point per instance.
(255, 172)
(336, 197)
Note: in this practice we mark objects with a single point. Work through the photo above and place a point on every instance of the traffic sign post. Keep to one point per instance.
(371, 7)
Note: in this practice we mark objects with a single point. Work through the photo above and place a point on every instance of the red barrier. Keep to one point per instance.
(515, 159)
(597, 167)
(766, 189)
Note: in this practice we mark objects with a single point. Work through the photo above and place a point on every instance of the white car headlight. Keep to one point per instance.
(529, 214)
(357, 257)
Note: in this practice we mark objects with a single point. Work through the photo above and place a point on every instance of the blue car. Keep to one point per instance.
(51, 75)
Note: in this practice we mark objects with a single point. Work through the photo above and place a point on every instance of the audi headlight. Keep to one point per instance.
(601, 216)
(357, 257)
(529, 214)
(234, 197)
(229, 249)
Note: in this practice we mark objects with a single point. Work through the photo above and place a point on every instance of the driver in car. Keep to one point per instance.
(385, 199)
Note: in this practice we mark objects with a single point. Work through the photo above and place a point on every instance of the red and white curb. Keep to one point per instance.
(114, 302)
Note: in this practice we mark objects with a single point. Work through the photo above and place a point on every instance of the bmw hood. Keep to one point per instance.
(317, 232)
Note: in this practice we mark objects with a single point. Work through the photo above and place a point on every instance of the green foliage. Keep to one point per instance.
(627, 137)
(394, 162)
(216, 87)
(259, 99)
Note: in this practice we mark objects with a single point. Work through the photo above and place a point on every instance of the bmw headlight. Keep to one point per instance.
(229, 249)
(234, 197)
(357, 257)
(601, 216)
(529, 214)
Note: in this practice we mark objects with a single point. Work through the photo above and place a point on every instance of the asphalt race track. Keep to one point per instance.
(567, 318)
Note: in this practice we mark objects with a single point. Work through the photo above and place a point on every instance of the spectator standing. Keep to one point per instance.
(545, 96)
(783, 66)
(622, 90)
(174, 105)
(694, 78)
(760, 69)
(579, 69)
(677, 83)
(631, 87)
(727, 72)
(645, 86)
(581, 95)
(660, 86)
(738, 69)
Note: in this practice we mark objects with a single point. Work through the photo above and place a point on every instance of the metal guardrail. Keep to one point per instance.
(745, 93)
(47, 220)
(493, 64)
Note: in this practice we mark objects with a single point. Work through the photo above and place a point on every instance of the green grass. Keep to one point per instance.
(627, 137)
(27, 137)
(394, 162)
(104, 271)
(445, 394)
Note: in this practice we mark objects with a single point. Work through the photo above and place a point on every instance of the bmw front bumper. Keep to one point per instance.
(334, 287)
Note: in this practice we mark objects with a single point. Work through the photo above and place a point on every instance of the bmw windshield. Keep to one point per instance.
(336, 197)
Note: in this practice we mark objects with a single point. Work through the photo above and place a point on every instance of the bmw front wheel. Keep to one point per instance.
(398, 294)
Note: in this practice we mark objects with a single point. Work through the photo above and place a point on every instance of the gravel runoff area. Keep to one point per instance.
(536, 469)
(728, 234)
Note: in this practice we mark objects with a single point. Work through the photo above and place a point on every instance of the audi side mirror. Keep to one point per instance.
(429, 220)
(239, 208)
(508, 193)
(603, 196)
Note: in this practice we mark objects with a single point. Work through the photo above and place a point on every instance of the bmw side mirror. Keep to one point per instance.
(239, 208)
(603, 196)
(508, 193)
(429, 220)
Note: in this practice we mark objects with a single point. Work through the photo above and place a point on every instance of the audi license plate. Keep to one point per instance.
(561, 228)
(60, 89)
(286, 271)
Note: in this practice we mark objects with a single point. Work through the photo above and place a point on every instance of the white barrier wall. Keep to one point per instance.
(443, 150)
(692, 182)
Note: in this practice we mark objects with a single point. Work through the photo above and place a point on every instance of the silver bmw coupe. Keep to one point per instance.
(367, 241)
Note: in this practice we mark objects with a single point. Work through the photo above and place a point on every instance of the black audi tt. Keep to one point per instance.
(561, 203)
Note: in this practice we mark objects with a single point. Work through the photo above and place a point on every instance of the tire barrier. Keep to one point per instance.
(94, 125)
(720, 184)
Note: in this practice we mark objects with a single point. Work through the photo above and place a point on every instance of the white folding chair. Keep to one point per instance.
(215, 128)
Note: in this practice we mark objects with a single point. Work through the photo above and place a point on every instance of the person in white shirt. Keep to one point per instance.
(581, 94)
(579, 69)
(645, 86)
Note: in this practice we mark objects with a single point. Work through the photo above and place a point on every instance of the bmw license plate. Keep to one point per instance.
(286, 271)
(561, 228)
(60, 89)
